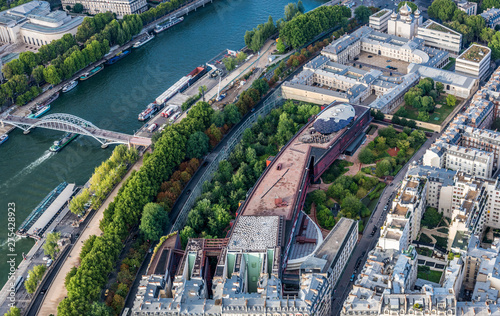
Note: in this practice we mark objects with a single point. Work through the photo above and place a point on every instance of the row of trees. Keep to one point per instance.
(235, 176)
(104, 179)
(304, 27)
(256, 38)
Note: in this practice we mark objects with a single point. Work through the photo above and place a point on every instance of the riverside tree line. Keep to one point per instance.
(61, 59)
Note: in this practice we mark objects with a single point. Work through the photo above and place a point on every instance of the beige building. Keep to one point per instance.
(441, 37)
(405, 24)
(34, 24)
(378, 21)
(120, 7)
(475, 61)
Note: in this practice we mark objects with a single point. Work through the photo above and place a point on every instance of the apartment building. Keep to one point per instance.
(378, 21)
(475, 61)
(468, 7)
(441, 37)
(492, 17)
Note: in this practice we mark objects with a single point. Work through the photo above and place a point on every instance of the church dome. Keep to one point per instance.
(405, 9)
(417, 13)
(394, 16)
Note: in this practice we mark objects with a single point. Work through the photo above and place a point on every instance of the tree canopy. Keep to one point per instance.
(442, 9)
(153, 221)
(362, 14)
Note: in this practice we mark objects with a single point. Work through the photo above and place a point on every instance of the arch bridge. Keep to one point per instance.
(74, 124)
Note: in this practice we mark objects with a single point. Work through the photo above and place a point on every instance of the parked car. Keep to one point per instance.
(49, 263)
(353, 276)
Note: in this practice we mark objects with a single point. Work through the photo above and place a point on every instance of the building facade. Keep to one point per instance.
(441, 37)
(34, 24)
(492, 17)
(120, 7)
(378, 21)
(475, 61)
(405, 24)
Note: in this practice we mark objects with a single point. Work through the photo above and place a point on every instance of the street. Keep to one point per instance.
(368, 242)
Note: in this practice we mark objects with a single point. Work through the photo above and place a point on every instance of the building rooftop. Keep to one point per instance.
(381, 12)
(277, 190)
(443, 76)
(255, 233)
(475, 53)
(438, 27)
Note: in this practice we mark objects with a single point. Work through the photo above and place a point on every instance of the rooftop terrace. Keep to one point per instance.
(475, 53)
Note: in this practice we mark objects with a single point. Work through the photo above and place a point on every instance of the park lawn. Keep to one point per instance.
(442, 113)
(431, 275)
(438, 116)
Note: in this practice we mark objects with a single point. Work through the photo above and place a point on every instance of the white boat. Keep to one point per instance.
(162, 27)
(144, 41)
(69, 86)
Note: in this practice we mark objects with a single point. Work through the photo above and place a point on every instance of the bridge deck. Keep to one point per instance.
(73, 124)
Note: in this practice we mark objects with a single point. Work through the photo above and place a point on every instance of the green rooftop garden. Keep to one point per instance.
(437, 27)
(475, 53)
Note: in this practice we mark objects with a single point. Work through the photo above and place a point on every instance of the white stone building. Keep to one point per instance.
(34, 24)
(405, 24)
(468, 7)
(441, 37)
(475, 61)
(378, 21)
(120, 7)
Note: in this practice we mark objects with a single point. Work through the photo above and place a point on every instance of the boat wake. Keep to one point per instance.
(4, 243)
(28, 169)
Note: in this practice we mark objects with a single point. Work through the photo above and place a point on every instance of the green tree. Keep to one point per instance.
(240, 57)
(100, 309)
(229, 63)
(423, 116)
(231, 114)
(197, 145)
(451, 100)
(439, 88)
(412, 5)
(291, 10)
(13, 311)
(218, 220)
(442, 9)
(51, 75)
(78, 8)
(153, 221)
(186, 233)
(366, 156)
(34, 278)
(50, 247)
(351, 206)
(362, 14)
(486, 4)
(383, 168)
(280, 46)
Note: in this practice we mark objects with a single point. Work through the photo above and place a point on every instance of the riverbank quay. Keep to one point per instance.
(61, 223)
(57, 291)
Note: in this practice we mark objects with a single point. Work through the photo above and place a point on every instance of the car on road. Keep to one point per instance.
(373, 231)
(388, 60)
(385, 208)
(353, 276)
(42, 292)
(49, 263)
(370, 56)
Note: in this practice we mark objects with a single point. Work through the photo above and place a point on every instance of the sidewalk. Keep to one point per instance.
(257, 61)
(57, 292)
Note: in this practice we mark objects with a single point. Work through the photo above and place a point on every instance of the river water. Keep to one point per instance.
(112, 100)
